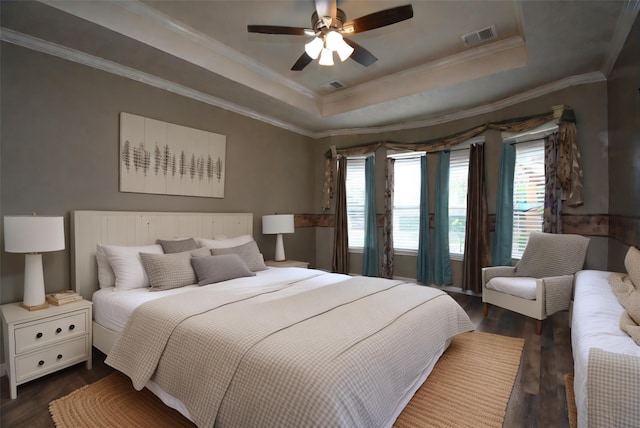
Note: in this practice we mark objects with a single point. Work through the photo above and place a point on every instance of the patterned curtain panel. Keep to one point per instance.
(340, 262)
(387, 232)
(423, 274)
(370, 265)
(552, 221)
(441, 259)
(503, 236)
(476, 241)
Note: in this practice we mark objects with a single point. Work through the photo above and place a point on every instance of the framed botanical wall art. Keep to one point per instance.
(164, 158)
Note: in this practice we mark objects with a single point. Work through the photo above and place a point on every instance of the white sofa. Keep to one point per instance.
(606, 359)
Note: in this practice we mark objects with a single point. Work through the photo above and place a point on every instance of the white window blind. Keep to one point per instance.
(355, 202)
(406, 203)
(458, 176)
(528, 193)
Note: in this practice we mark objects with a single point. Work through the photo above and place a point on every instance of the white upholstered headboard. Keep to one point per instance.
(134, 228)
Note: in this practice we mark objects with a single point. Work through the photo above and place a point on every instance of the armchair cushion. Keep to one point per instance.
(549, 254)
(522, 287)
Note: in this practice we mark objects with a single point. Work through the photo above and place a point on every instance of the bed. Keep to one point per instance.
(277, 347)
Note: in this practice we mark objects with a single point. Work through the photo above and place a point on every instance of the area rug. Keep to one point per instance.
(572, 410)
(470, 386)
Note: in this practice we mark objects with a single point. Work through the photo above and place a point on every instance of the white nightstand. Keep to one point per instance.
(287, 263)
(40, 342)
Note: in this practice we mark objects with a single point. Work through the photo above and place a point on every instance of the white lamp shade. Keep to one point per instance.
(326, 57)
(314, 47)
(277, 223)
(344, 50)
(33, 234)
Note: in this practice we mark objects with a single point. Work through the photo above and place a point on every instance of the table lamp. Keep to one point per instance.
(278, 224)
(33, 235)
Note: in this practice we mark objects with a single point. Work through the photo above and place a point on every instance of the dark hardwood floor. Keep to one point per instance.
(538, 398)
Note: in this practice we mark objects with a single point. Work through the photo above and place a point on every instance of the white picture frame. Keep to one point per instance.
(163, 158)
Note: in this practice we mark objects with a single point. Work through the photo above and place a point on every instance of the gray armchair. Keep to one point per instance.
(541, 284)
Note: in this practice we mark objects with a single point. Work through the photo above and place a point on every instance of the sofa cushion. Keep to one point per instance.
(632, 264)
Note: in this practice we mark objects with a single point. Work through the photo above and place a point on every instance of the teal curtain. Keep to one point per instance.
(441, 259)
(424, 235)
(503, 236)
(370, 252)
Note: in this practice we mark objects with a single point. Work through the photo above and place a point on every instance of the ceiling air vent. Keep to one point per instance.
(332, 86)
(479, 36)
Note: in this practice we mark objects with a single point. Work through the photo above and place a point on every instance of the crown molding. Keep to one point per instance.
(623, 28)
(182, 30)
(582, 79)
(30, 42)
(482, 61)
(33, 43)
(139, 22)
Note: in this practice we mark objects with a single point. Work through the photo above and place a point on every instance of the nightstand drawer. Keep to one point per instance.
(50, 359)
(54, 329)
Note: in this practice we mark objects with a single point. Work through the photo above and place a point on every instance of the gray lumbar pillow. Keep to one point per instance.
(212, 269)
(178, 245)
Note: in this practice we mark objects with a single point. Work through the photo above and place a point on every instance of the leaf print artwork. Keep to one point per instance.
(158, 157)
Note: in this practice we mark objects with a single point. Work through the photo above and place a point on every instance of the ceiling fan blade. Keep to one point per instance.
(360, 54)
(378, 19)
(276, 29)
(302, 62)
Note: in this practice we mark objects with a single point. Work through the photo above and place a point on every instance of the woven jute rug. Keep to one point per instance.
(470, 386)
(572, 410)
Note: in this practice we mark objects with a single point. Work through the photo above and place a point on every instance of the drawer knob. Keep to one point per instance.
(40, 363)
(72, 326)
(38, 336)
(59, 356)
(58, 330)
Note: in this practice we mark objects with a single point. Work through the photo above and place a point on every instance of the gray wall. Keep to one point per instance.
(60, 144)
(624, 140)
(590, 105)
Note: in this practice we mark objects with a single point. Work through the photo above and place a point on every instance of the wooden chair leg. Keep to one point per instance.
(538, 327)
(485, 309)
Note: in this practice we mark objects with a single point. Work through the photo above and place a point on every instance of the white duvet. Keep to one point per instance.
(385, 334)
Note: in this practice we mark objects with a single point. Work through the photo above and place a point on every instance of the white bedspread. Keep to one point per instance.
(378, 338)
(595, 324)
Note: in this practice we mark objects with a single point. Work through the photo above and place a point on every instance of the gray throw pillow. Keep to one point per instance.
(212, 269)
(167, 271)
(178, 246)
(248, 252)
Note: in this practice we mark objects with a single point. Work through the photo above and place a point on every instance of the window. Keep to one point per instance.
(406, 203)
(458, 177)
(528, 193)
(355, 202)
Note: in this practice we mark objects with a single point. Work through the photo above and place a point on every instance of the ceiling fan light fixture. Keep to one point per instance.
(344, 50)
(332, 40)
(314, 47)
(326, 57)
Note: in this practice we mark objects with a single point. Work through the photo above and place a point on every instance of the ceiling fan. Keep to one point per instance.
(329, 25)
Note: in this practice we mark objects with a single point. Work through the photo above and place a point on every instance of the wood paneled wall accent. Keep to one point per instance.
(622, 228)
(587, 225)
(625, 229)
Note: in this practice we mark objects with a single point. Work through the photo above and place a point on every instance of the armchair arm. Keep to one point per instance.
(495, 271)
(557, 291)
(613, 388)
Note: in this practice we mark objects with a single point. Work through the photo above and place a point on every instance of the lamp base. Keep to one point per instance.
(36, 307)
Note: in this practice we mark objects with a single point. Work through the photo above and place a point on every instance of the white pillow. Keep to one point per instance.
(106, 277)
(127, 265)
(226, 242)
